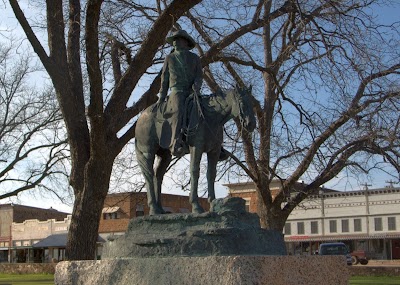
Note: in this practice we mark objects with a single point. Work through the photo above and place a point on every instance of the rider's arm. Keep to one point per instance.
(198, 80)
(164, 80)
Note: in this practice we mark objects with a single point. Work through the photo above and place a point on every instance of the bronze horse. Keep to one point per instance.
(206, 138)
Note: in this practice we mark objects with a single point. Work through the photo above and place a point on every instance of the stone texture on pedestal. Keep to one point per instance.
(221, 270)
(226, 230)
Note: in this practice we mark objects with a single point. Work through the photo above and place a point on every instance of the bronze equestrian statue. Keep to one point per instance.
(186, 122)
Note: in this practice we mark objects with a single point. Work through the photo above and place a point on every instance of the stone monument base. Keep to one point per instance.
(221, 270)
(227, 230)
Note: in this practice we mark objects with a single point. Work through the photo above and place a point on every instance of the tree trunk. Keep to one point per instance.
(83, 232)
(271, 216)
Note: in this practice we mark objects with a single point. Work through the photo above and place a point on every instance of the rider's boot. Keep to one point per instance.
(180, 148)
(223, 155)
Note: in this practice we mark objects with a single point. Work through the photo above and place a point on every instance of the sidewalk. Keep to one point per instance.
(395, 262)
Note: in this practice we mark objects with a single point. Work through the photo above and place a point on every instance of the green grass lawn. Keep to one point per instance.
(47, 279)
(381, 280)
(26, 279)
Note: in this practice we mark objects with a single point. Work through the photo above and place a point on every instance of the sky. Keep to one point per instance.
(343, 182)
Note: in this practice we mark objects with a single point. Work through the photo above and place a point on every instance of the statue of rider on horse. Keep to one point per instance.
(185, 122)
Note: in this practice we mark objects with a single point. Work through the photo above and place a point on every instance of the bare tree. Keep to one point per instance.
(326, 77)
(33, 146)
(295, 49)
(94, 143)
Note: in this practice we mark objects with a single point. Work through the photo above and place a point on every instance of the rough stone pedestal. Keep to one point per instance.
(221, 270)
(226, 230)
(223, 246)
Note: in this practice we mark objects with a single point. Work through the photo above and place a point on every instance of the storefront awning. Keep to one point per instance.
(108, 210)
(341, 237)
(58, 241)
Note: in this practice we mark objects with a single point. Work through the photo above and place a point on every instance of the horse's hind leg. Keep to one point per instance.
(195, 157)
(161, 167)
(212, 160)
(146, 161)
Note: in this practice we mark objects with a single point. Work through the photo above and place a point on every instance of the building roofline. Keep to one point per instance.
(327, 191)
(238, 184)
(377, 191)
(296, 188)
(31, 207)
(145, 193)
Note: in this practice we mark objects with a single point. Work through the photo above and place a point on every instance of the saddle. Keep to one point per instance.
(166, 120)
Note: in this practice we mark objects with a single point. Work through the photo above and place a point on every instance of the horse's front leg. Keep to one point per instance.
(146, 160)
(212, 160)
(195, 157)
(162, 163)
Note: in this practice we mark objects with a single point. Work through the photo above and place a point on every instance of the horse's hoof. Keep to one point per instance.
(197, 210)
(155, 211)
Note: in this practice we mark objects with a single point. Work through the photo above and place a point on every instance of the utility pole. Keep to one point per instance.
(366, 197)
(367, 208)
(321, 194)
(391, 182)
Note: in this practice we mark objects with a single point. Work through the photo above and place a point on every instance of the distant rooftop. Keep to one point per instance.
(7, 205)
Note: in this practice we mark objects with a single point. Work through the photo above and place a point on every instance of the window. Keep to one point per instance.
(378, 224)
(333, 226)
(345, 226)
(357, 225)
(139, 210)
(111, 216)
(314, 227)
(247, 205)
(300, 228)
(288, 229)
(391, 223)
(111, 213)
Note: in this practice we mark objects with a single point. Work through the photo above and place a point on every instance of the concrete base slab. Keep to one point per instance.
(238, 270)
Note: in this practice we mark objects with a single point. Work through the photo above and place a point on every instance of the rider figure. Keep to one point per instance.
(182, 73)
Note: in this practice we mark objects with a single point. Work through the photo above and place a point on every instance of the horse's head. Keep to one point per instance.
(242, 107)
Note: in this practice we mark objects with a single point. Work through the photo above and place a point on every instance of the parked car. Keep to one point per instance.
(336, 248)
(359, 256)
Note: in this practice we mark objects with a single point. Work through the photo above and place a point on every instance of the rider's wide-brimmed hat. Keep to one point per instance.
(181, 34)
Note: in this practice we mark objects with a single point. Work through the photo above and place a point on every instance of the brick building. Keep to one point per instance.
(10, 213)
(247, 191)
(119, 208)
(24, 228)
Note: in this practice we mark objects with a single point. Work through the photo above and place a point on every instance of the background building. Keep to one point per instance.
(119, 208)
(10, 213)
(26, 236)
(29, 234)
(367, 220)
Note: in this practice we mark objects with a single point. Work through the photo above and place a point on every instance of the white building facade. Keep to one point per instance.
(28, 233)
(365, 220)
